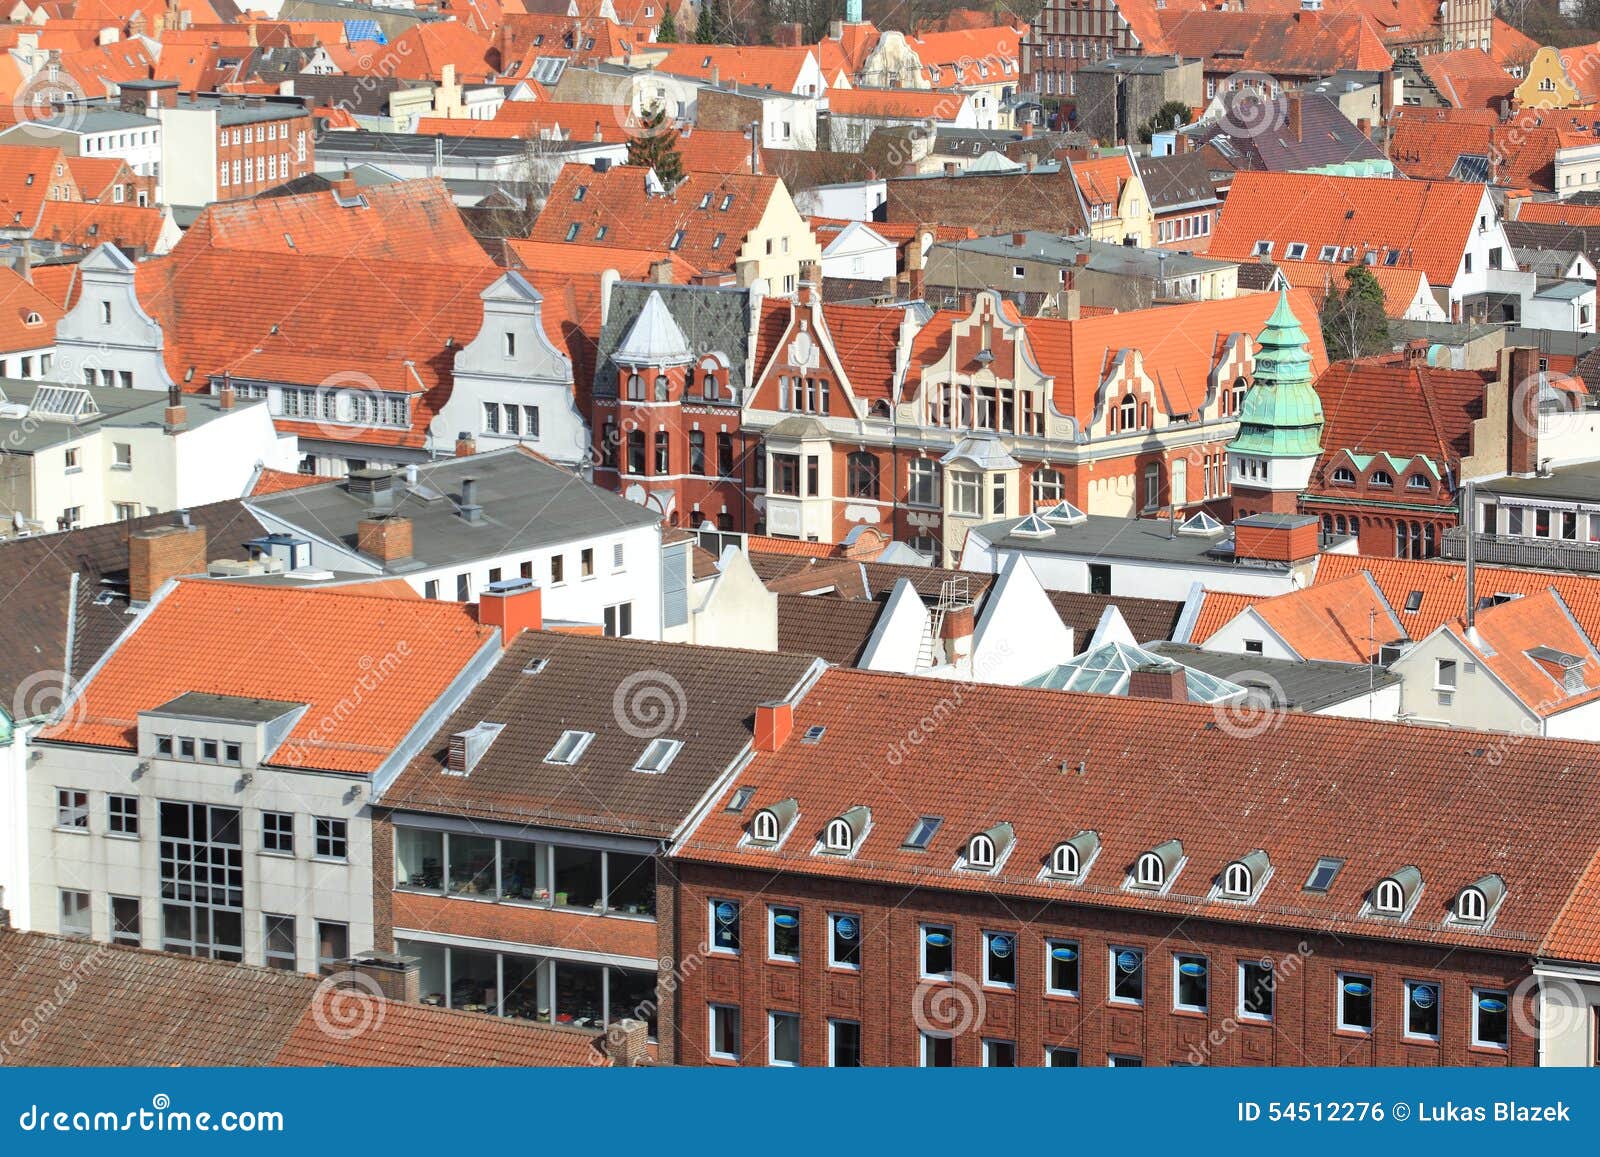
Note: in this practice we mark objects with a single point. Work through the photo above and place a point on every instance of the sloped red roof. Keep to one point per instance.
(271, 481)
(1216, 609)
(1509, 633)
(27, 174)
(86, 224)
(1302, 789)
(1558, 213)
(760, 66)
(286, 644)
(20, 303)
(422, 51)
(1428, 222)
(1282, 44)
(1426, 145)
(1343, 621)
(897, 103)
(1467, 77)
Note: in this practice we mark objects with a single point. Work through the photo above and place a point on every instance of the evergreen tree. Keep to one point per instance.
(1168, 116)
(655, 146)
(1355, 323)
(667, 30)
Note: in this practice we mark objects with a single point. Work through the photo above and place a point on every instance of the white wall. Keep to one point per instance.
(1230, 638)
(853, 202)
(188, 155)
(1153, 580)
(131, 341)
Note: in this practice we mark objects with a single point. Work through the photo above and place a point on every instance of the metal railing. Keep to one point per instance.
(1537, 553)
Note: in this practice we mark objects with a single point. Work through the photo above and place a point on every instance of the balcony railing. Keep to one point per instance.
(1538, 553)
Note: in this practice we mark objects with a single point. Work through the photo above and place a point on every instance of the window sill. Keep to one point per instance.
(128, 837)
(1353, 1033)
(74, 470)
(276, 855)
(125, 467)
(1063, 997)
(844, 969)
(73, 831)
(1116, 1002)
(1191, 1013)
(341, 860)
(1431, 1042)
(1488, 1050)
(784, 961)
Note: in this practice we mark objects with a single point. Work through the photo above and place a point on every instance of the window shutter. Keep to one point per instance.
(675, 584)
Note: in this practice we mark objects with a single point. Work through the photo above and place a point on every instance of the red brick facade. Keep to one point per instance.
(884, 997)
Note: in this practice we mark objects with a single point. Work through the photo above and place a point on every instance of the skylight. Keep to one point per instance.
(570, 747)
(658, 756)
(813, 734)
(68, 402)
(740, 798)
(1413, 602)
(1321, 878)
(922, 831)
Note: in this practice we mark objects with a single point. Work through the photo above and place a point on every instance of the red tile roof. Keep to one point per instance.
(1216, 609)
(1468, 77)
(1341, 622)
(1400, 285)
(1558, 213)
(896, 103)
(1428, 222)
(27, 174)
(1378, 796)
(85, 224)
(96, 175)
(969, 56)
(27, 315)
(1102, 179)
(759, 66)
(1441, 586)
(618, 202)
(1282, 44)
(422, 51)
(295, 645)
(1509, 632)
(270, 481)
(1427, 147)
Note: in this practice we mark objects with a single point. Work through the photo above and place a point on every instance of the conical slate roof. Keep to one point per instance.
(655, 339)
(1282, 415)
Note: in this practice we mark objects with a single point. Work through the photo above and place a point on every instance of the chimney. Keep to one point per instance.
(513, 605)
(951, 168)
(1522, 411)
(956, 634)
(1276, 538)
(175, 417)
(716, 75)
(1416, 352)
(344, 187)
(226, 396)
(1019, 240)
(1159, 681)
(1080, 258)
(385, 537)
(1364, 127)
(397, 977)
(163, 553)
(469, 510)
(465, 444)
(1027, 130)
(1292, 100)
(774, 724)
(626, 1043)
(1180, 143)
(661, 271)
(1030, 162)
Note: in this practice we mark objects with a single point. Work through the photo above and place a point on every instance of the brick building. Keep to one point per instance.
(1113, 888)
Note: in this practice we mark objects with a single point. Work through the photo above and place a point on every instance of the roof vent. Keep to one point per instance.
(375, 487)
(468, 747)
(469, 509)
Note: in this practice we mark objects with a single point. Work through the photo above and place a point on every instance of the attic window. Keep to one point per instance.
(33, 319)
(1389, 898)
(1263, 249)
(580, 192)
(922, 832)
(1297, 251)
(658, 756)
(1328, 253)
(1471, 906)
(716, 242)
(1065, 863)
(677, 240)
(467, 748)
(727, 200)
(813, 734)
(535, 666)
(706, 63)
(705, 201)
(1392, 257)
(570, 747)
(1413, 602)
(740, 799)
(838, 837)
(1151, 873)
(1321, 878)
(980, 852)
(1344, 476)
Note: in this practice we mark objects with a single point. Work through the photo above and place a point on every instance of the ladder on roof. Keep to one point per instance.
(954, 594)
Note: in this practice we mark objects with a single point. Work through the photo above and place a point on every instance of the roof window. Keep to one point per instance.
(570, 747)
(1157, 868)
(740, 799)
(922, 832)
(1071, 858)
(1321, 877)
(844, 832)
(987, 849)
(1243, 878)
(658, 756)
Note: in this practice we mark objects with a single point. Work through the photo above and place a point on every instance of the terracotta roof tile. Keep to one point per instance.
(1508, 634)
(1155, 771)
(1217, 608)
(1283, 44)
(759, 66)
(27, 315)
(270, 481)
(1428, 222)
(1339, 622)
(299, 645)
(86, 224)
(896, 103)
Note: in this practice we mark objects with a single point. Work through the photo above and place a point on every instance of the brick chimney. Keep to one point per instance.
(1019, 240)
(513, 605)
(1158, 681)
(1416, 352)
(397, 977)
(385, 537)
(226, 396)
(956, 634)
(1275, 537)
(774, 724)
(176, 416)
(465, 444)
(1292, 100)
(1522, 411)
(627, 1043)
(162, 553)
(1027, 130)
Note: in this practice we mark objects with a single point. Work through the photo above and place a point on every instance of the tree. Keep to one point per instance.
(1354, 321)
(667, 30)
(655, 146)
(512, 208)
(714, 24)
(1168, 116)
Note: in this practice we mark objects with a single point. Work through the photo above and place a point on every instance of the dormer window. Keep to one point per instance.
(1156, 869)
(1394, 895)
(838, 836)
(1071, 858)
(1471, 906)
(1477, 902)
(769, 825)
(1381, 478)
(980, 852)
(844, 832)
(1343, 476)
(1296, 251)
(1243, 878)
(1417, 482)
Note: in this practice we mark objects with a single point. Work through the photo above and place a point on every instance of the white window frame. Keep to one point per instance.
(1498, 994)
(1178, 959)
(1114, 951)
(711, 1030)
(981, 853)
(838, 836)
(1438, 1012)
(1380, 895)
(1257, 1017)
(711, 915)
(833, 1026)
(772, 933)
(1150, 879)
(988, 980)
(1065, 853)
(1340, 980)
(922, 950)
(833, 959)
(69, 813)
(925, 1040)
(1472, 897)
(1230, 881)
(1050, 945)
(772, 1040)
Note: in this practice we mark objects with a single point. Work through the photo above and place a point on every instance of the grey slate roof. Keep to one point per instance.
(708, 694)
(714, 319)
(119, 409)
(1177, 181)
(1104, 257)
(1579, 482)
(1326, 138)
(527, 504)
(1298, 686)
(362, 95)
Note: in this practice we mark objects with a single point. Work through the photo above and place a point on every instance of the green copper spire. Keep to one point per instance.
(1282, 415)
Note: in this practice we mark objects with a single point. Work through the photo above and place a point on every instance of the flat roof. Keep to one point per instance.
(1104, 256)
(1102, 536)
(527, 504)
(26, 433)
(226, 708)
(1301, 686)
(1579, 482)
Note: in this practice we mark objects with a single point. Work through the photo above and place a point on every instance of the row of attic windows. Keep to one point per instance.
(1393, 897)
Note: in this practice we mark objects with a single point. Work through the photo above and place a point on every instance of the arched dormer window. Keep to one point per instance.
(980, 852)
(1150, 871)
(1380, 478)
(1343, 476)
(1237, 392)
(1389, 898)
(838, 837)
(1471, 906)
(1237, 881)
(1065, 862)
(764, 828)
(1418, 482)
